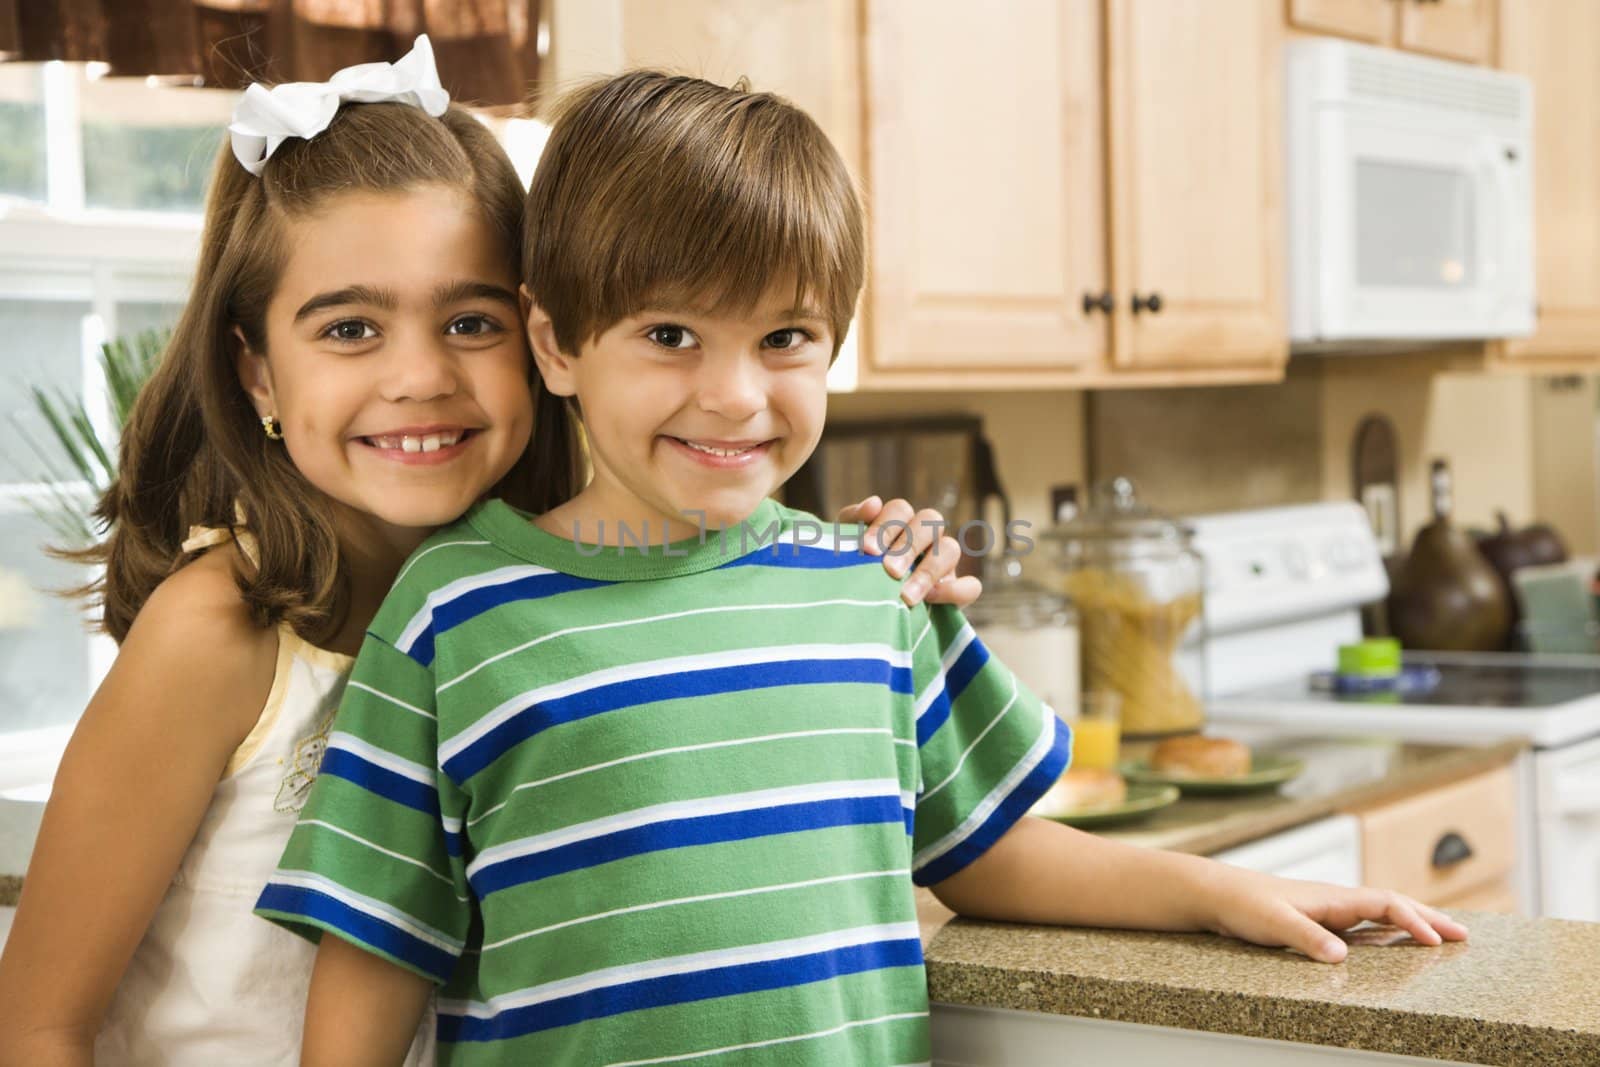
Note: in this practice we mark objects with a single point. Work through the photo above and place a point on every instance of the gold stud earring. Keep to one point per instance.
(273, 428)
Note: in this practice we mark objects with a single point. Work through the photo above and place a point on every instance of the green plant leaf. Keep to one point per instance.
(66, 508)
(60, 422)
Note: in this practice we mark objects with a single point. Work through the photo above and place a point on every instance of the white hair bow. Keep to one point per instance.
(265, 118)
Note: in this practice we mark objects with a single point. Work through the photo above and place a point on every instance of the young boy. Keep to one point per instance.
(648, 805)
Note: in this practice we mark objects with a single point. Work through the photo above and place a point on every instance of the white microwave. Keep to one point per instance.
(1409, 197)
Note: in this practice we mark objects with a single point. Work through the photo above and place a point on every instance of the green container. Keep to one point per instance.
(1375, 657)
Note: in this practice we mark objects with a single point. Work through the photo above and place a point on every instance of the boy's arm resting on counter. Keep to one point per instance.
(362, 1010)
(987, 749)
(1044, 872)
(133, 786)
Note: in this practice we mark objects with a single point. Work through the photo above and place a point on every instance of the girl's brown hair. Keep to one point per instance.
(662, 188)
(193, 447)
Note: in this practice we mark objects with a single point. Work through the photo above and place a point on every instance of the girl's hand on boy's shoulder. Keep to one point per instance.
(901, 534)
(1306, 916)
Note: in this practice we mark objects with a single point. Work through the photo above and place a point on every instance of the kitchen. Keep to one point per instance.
(1089, 233)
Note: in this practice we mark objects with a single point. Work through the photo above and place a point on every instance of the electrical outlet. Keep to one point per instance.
(1064, 502)
(1381, 504)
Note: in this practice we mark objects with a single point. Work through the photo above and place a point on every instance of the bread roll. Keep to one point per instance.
(1193, 756)
(1082, 789)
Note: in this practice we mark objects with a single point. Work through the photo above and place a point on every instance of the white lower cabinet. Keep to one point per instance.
(997, 1037)
(1328, 850)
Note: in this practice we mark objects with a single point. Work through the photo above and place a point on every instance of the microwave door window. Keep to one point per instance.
(1414, 227)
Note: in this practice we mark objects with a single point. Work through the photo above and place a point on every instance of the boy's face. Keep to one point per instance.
(688, 411)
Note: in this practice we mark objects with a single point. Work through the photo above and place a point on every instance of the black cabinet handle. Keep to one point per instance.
(1451, 849)
(1102, 302)
(1151, 303)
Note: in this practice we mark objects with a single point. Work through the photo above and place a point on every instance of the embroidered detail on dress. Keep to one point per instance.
(296, 785)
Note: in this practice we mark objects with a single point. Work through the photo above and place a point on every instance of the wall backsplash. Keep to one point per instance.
(1197, 450)
(1192, 451)
(1216, 449)
(1037, 437)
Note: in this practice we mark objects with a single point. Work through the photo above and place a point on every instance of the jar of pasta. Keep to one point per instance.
(1138, 585)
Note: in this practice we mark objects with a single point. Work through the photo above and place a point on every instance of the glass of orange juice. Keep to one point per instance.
(1096, 723)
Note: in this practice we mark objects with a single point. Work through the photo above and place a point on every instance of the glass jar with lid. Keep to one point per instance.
(1031, 628)
(1138, 585)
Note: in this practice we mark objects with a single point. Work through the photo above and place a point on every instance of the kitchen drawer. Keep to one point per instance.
(1440, 844)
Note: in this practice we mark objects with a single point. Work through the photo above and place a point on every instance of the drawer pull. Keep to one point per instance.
(1451, 850)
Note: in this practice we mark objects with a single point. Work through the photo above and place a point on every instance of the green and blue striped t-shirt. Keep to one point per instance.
(660, 806)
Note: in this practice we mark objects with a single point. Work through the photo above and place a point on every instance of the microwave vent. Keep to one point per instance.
(1375, 76)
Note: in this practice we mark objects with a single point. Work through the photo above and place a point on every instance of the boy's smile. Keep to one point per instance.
(723, 455)
(690, 412)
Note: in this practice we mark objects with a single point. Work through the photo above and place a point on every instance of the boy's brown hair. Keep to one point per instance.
(663, 189)
(193, 447)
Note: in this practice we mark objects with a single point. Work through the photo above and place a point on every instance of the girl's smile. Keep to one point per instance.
(419, 445)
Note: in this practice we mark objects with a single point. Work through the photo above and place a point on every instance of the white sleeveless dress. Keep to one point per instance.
(211, 983)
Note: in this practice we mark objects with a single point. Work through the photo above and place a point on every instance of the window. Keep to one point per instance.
(102, 185)
(149, 150)
(21, 133)
(102, 182)
(45, 668)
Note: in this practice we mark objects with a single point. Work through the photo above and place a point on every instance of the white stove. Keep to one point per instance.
(1549, 701)
(1285, 587)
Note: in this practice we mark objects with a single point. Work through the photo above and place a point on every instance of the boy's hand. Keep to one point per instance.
(913, 535)
(1301, 915)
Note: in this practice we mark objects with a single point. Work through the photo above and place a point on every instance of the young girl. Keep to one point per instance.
(349, 373)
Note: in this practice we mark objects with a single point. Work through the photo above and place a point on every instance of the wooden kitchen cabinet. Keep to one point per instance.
(1558, 47)
(1360, 20)
(1453, 846)
(1196, 182)
(804, 50)
(1028, 172)
(986, 188)
(1449, 29)
(1077, 157)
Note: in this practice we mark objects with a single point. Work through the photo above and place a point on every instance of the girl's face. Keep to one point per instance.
(395, 358)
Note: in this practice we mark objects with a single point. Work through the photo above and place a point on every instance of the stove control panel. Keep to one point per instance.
(1278, 564)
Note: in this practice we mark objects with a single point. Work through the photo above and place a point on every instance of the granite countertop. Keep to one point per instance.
(1520, 991)
(1340, 775)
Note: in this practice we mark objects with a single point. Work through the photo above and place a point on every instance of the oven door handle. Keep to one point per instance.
(1579, 799)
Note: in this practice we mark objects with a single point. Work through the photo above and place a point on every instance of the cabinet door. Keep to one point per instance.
(1196, 184)
(985, 178)
(1456, 29)
(805, 50)
(1361, 20)
(1558, 46)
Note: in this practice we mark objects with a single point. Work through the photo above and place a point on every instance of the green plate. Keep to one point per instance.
(1266, 772)
(1143, 798)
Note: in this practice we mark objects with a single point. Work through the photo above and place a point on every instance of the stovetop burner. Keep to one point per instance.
(1507, 686)
(1502, 682)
